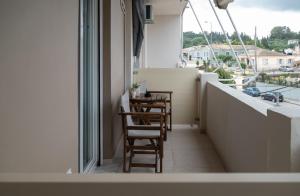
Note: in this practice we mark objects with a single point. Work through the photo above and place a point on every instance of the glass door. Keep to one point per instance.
(89, 85)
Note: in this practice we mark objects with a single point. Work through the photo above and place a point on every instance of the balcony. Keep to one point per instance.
(219, 129)
(186, 151)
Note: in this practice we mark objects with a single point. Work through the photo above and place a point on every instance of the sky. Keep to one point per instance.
(264, 14)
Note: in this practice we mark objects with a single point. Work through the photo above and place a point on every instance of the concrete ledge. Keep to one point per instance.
(149, 184)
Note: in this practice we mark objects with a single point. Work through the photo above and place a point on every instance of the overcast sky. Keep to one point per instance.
(265, 14)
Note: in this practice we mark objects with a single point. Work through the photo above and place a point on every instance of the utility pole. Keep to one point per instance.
(255, 39)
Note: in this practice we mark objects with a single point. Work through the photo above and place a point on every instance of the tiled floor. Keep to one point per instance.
(186, 151)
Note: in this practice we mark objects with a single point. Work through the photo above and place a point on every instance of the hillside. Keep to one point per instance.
(277, 40)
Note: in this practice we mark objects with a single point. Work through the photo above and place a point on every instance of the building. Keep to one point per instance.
(204, 53)
(268, 60)
(293, 42)
(64, 65)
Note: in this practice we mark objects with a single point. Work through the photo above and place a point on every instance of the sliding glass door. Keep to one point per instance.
(89, 85)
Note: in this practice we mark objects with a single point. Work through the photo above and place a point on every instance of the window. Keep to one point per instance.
(265, 61)
(227, 53)
(280, 61)
(89, 85)
(290, 61)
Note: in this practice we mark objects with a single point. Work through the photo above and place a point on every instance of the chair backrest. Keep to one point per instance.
(125, 104)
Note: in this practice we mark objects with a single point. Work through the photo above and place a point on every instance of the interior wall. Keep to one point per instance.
(163, 42)
(115, 63)
(38, 85)
(117, 68)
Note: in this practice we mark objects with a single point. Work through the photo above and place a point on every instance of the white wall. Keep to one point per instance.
(38, 85)
(237, 129)
(273, 62)
(183, 84)
(117, 67)
(163, 42)
(250, 135)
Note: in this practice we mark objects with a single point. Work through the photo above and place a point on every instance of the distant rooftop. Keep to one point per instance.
(264, 52)
(220, 47)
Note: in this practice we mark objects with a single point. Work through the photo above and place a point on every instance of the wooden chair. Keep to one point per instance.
(168, 105)
(167, 102)
(153, 104)
(133, 132)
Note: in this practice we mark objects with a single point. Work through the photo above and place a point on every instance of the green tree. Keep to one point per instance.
(243, 65)
(198, 41)
(225, 58)
(281, 32)
(265, 43)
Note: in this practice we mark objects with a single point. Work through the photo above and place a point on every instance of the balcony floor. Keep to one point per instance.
(186, 151)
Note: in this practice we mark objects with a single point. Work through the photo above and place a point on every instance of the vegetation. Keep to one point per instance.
(135, 86)
(227, 59)
(286, 79)
(223, 74)
(277, 40)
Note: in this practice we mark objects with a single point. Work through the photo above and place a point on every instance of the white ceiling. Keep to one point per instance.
(167, 7)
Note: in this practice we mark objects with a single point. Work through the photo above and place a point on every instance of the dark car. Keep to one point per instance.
(252, 91)
(272, 96)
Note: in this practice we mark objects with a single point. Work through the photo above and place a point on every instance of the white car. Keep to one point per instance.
(286, 69)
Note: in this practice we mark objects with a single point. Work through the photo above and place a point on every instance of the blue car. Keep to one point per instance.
(252, 91)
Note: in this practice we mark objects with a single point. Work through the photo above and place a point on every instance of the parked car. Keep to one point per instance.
(286, 69)
(252, 91)
(272, 96)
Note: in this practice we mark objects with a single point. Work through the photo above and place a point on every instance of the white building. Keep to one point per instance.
(204, 53)
(293, 41)
(268, 60)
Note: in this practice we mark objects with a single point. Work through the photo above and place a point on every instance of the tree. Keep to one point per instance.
(264, 43)
(198, 41)
(278, 45)
(225, 58)
(281, 32)
(243, 65)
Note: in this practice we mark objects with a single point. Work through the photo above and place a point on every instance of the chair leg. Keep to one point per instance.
(161, 154)
(166, 129)
(161, 164)
(170, 119)
(124, 156)
(131, 143)
(130, 161)
(156, 164)
(124, 160)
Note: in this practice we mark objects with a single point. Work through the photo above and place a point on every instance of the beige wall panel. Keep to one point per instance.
(163, 42)
(38, 85)
(182, 82)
